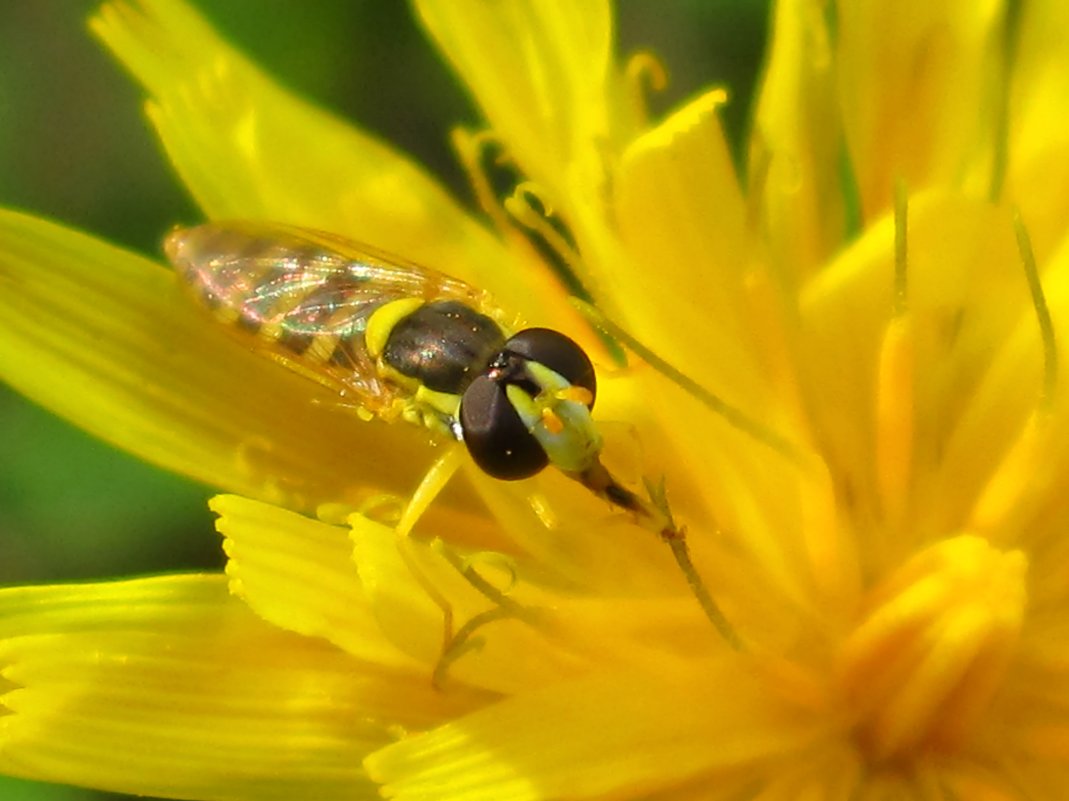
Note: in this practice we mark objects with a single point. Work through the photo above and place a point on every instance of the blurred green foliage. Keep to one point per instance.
(75, 147)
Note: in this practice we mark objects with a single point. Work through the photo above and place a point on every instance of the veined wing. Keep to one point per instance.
(306, 296)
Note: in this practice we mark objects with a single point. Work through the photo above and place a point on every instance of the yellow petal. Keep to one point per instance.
(247, 148)
(682, 218)
(967, 292)
(797, 144)
(405, 612)
(1007, 440)
(419, 596)
(298, 574)
(170, 687)
(918, 99)
(934, 645)
(1038, 170)
(575, 538)
(540, 73)
(624, 735)
(105, 339)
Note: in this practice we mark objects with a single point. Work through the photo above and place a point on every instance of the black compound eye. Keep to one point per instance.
(557, 352)
(496, 437)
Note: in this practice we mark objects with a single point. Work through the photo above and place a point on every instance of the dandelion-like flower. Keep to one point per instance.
(845, 368)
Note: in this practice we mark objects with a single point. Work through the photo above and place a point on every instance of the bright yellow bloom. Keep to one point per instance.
(874, 492)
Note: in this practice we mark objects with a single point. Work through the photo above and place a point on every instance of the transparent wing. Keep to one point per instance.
(306, 296)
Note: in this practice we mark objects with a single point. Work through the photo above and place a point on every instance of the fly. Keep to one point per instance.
(406, 342)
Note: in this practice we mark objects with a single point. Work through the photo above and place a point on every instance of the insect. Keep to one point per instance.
(405, 342)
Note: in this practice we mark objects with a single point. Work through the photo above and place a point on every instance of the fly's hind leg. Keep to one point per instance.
(455, 642)
(432, 484)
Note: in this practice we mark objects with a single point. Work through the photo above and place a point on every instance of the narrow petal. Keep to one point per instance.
(298, 574)
(248, 148)
(915, 83)
(541, 72)
(681, 215)
(103, 338)
(575, 538)
(1012, 443)
(170, 687)
(797, 143)
(624, 735)
(1038, 170)
(967, 293)
(411, 587)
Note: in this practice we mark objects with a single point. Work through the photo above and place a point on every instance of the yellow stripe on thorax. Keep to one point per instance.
(383, 320)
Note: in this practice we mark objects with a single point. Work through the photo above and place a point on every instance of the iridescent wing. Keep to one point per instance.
(305, 296)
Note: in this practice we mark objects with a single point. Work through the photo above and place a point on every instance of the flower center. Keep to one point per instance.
(923, 664)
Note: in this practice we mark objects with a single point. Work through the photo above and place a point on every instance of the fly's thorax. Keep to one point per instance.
(383, 320)
(432, 351)
(441, 345)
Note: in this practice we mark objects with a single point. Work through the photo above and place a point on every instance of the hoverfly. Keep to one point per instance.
(405, 342)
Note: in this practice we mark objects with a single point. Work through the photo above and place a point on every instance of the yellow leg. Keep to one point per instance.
(433, 483)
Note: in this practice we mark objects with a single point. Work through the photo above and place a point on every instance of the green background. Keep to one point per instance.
(75, 147)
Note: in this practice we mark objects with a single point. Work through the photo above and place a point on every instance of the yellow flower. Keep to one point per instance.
(859, 419)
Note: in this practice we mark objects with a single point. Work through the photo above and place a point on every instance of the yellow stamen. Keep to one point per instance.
(471, 147)
(1004, 81)
(894, 414)
(1039, 304)
(894, 382)
(520, 205)
(534, 197)
(1022, 474)
(644, 73)
(922, 666)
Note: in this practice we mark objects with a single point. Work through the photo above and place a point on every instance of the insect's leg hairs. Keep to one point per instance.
(655, 515)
